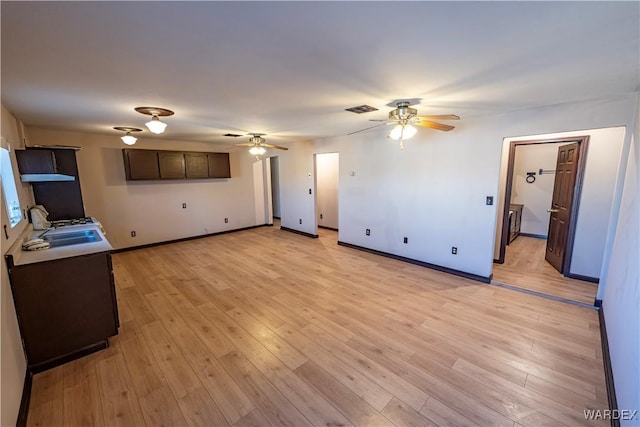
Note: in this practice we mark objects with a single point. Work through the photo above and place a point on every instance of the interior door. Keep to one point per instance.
(563, 189)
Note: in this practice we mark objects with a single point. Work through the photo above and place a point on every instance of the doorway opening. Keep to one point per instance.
(327, 178)
(542, 197)
(274, 163)
(262, 190)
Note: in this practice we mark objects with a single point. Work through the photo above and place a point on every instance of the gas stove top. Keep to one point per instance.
(72, 222)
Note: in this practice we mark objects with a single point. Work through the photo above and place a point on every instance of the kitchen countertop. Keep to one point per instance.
(22, 257)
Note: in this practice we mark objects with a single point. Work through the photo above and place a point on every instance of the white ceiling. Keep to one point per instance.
(289, 69)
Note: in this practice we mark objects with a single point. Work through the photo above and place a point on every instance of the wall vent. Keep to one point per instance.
(361, 109)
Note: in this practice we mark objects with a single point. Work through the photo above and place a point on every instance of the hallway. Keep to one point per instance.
(525, 267)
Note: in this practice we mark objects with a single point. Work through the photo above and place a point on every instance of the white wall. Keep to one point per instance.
(621, 293)
(296, 178)
(434, 190)
(601, 174)
(154, 208)
(12, 359)
(327, 170)
(536, 197)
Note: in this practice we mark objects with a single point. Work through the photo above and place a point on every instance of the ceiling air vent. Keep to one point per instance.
(232, 135)
(362, 109)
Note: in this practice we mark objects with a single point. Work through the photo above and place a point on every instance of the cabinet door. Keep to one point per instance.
(171, 165)
(64, 305)
(36, 161)
(197, 165)
(65, 161)
(219, 165)
(141, 164)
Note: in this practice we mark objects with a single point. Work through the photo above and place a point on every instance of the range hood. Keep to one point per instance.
(45, 177)
(45, 165)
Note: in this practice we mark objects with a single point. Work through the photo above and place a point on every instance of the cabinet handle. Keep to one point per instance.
(553, 210)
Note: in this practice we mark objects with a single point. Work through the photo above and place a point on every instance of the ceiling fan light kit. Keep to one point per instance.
(258, 145)
(404, 118)
(402, 132)
(257, 150)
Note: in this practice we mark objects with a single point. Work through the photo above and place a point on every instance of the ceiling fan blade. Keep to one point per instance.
(370, 127)
(277, 147)
(434, 125)
(441, 117)
(244, 144)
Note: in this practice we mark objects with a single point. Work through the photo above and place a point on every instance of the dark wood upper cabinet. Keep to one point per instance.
(141, 164)
(171, 165)
(53, 174)
(159, 164)
(219, 165)
(46, 161)
(197, 165)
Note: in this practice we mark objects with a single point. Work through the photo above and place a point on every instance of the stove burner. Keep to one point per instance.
(70, 222)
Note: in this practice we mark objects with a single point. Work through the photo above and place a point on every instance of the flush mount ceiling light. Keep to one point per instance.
(155, 125)
(127, 138)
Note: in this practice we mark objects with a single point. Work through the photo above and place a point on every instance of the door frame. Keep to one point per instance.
(583, 142)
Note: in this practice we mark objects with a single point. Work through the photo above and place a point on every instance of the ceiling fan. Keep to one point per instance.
(258, 145)
(404, 117)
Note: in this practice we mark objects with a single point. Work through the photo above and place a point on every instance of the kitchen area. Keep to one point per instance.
(59, 267)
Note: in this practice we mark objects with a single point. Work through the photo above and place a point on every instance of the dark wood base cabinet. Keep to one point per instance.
(66, 308)
(515, 220)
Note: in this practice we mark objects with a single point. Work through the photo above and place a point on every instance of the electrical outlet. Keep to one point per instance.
(184, 206)
(309, 191)
(489, 200)
(320, 216)
(226, 220)
(454, 250)
(300, 221)
(133, 234)
(406, 240)
(368, 232)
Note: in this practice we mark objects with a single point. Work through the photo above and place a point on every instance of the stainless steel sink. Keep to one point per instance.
(72, 238)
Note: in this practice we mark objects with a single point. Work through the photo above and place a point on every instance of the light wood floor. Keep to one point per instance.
(266, 327)
(525, 267)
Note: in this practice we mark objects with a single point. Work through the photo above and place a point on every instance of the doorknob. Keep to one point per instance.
(552, 210)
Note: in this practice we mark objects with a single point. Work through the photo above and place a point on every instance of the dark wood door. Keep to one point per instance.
(563, 190)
